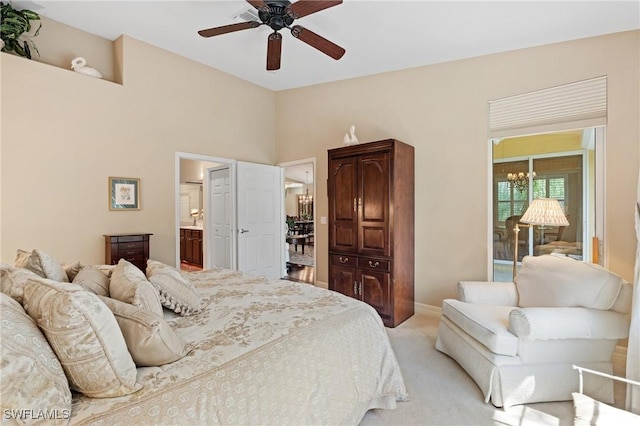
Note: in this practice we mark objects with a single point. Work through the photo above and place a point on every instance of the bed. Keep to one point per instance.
(262, 352)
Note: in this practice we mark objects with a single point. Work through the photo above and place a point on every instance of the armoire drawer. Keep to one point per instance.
(344, 260)
(372, 263)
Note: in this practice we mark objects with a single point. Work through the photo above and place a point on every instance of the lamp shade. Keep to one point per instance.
(545, 212)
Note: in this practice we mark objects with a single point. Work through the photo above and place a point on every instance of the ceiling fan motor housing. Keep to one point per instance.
(277, 17)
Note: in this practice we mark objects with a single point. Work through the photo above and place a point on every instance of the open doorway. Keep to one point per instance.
(242, 200)
(191, 213)
(299, 196)
(558, 165)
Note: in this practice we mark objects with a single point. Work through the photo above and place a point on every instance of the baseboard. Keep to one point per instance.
(322, 284)
(422, 308)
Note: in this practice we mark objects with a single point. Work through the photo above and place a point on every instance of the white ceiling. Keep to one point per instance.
(378, 36)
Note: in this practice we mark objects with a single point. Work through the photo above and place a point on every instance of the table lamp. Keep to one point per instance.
(194, 214)
(542, 212)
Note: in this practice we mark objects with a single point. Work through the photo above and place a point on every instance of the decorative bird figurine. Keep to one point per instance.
(79, 64)
(350, 138)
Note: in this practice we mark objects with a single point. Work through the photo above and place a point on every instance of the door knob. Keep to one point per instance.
(242, 230)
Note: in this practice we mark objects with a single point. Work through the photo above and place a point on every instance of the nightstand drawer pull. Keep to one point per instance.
(374, 264)
(343, 259)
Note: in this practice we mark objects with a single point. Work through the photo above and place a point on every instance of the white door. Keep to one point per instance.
(260, 219)
(220, 201)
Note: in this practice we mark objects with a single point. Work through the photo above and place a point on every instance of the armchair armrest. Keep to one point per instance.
(487, 293)
(568, 323)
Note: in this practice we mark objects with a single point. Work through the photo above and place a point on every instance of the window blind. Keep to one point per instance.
(570, 106)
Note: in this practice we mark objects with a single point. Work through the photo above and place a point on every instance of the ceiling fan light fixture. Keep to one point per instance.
(279, 14)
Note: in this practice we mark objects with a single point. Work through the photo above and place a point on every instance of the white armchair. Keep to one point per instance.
(519, 341)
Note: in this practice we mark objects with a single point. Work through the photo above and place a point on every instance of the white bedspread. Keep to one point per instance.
(264, 352)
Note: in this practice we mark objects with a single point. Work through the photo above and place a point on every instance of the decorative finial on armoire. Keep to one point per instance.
(350, 138)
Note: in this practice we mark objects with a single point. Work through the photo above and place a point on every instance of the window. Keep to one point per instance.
(557, 164)
(510, 201)
(551, 187)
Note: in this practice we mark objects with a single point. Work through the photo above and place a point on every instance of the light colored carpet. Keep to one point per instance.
(441, 392)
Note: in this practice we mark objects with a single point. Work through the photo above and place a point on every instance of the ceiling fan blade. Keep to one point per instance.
(228, 29)
(318, 42)
(258, 4)
(274, 48)
(307, 7)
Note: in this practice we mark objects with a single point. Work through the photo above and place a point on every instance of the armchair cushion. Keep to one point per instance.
(554, 281)
(485, 323)
(567, 323)
(489, 293)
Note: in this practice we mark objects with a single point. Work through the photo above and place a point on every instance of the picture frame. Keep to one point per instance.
(124, 194)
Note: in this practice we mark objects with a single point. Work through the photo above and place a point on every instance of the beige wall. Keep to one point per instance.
(442, 111)
(63, 134)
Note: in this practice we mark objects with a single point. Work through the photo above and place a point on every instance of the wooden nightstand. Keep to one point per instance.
(131, 247)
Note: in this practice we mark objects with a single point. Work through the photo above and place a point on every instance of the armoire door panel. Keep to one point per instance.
(374, 194)
(344, 237)
(376, 290)
(343, 215)
(345, 190)
(373, 225)
(344, 280)
(374, 239)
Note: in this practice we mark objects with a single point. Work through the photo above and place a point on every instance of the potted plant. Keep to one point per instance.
(14, 28)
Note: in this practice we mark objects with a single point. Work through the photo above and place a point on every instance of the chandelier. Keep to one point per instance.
(519, 181)
(306, 198)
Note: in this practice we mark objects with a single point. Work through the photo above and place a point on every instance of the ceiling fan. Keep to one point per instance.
(279, 14)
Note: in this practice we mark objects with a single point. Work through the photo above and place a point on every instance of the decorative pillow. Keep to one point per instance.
(31, 375)
(42, 263)
(106, 269)
(92, 279)
(176, 292)
(13, 281)
(5, 276)
(129, 285)
(590, 412)
(149, 338)
(85, 336)
(72, 269)
(553, 281)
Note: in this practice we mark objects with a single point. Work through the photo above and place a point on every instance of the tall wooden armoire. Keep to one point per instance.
(371, 226)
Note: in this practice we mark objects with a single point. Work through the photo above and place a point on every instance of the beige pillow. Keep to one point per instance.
(94, 280)
(42, 263)
(176, 292)
(31, 375)
(85, 336)
(13, 280)
(5, 276)
(129, 285)
(72, 269)
(106, 269)
(149, 338)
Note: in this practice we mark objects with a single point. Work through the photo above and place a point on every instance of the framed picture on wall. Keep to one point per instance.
(124, 194)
